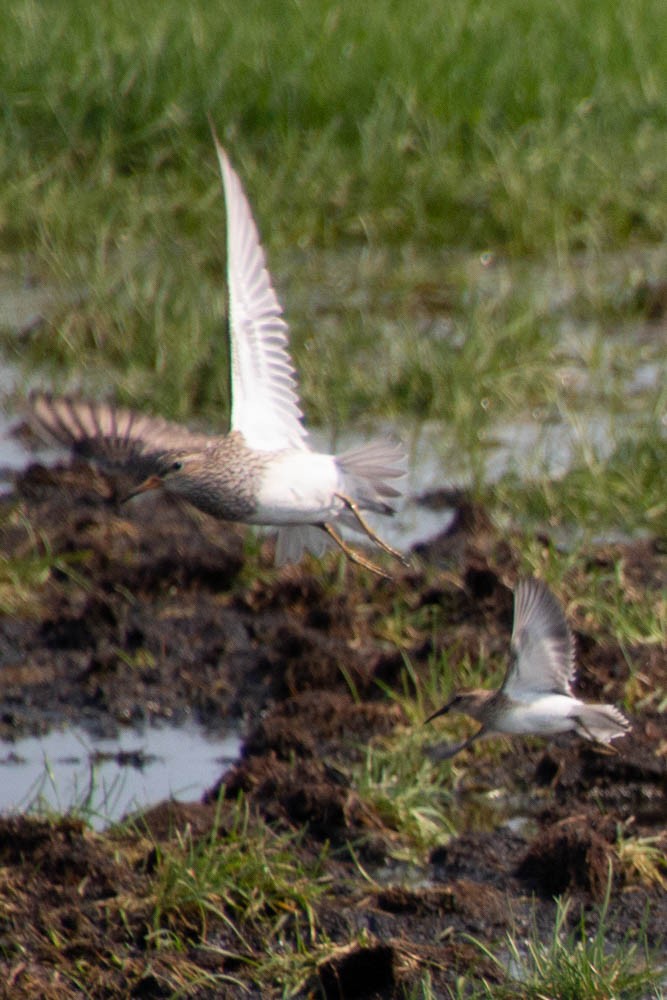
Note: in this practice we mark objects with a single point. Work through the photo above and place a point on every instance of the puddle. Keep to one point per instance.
(68, 769)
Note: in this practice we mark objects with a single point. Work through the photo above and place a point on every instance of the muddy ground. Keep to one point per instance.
(147, 616)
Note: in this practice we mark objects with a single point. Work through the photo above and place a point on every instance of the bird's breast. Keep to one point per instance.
(223, 480)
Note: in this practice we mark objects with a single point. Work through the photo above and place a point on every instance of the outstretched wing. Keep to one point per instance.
(120, 440)
(265, 405)
(542, 648)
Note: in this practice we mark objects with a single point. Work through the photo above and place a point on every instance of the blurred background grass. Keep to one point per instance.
(464, 205)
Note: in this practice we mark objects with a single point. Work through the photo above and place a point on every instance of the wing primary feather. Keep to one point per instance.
(542, 644)
(265, 405)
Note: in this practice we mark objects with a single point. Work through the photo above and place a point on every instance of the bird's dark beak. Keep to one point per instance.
(152, 483)
(440, 711)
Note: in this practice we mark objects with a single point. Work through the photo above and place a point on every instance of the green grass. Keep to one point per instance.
(492, 124)
(250, 879)
(464, 214)
(26, 570)
(575, 964)
(622, 493)
(415, 796)
(411, 795)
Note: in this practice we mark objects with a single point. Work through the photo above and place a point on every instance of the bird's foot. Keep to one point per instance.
(373, 535)
(353, 555)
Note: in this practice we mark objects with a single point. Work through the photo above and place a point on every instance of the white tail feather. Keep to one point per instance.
(365, 469)
(603, 723)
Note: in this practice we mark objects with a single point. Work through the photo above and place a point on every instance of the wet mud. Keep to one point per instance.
(145, 614)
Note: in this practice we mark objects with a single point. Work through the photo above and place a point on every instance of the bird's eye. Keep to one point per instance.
(176, 466)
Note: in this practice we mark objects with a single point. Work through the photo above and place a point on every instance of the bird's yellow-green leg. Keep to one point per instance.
(374, 537)
(352, 554)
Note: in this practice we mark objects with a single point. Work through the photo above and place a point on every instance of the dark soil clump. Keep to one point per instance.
(143, 614)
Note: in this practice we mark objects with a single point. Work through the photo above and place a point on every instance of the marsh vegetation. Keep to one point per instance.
(465, 214)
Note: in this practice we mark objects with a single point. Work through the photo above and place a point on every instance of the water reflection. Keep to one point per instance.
(70, 770)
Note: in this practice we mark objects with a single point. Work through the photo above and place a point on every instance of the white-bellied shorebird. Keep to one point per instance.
(263, 471)
(536, 693)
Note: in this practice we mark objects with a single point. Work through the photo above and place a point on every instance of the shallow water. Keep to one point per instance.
(71, 770)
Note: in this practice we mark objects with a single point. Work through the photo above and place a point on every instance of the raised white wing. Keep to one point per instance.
(265, 404)
(542, 658)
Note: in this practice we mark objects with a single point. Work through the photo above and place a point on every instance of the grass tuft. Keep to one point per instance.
(575, 964)
(642, 859)
(414, 795)
(251, 880)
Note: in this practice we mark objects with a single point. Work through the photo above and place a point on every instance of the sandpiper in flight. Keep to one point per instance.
(263, 471)
(536, 693)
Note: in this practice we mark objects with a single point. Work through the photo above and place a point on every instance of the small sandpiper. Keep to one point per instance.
(263, 471)
(536, 693)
